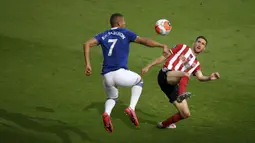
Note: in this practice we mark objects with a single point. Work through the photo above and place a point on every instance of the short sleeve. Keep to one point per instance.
(98, 38)
(131, 35)
(198, 68)
(176, 48)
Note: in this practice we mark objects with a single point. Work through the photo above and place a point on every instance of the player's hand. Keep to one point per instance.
(144, 70)
(88, 71)
(166, 52)
(215, 76)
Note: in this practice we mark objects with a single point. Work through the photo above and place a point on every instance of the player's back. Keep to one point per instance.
(115, 46)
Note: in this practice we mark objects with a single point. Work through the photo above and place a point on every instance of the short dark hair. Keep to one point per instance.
(113, 19)
(202, 37)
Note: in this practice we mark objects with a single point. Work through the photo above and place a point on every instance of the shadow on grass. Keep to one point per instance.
(41, 125)
(118, 113)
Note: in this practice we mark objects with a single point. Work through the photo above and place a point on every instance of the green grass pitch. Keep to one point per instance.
(45, 97)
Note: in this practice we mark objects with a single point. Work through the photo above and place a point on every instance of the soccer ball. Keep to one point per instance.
(163, 27)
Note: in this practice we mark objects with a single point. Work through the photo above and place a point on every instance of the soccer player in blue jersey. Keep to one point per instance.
(115, 46)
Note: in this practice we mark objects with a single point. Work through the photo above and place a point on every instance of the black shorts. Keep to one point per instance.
(171, 91)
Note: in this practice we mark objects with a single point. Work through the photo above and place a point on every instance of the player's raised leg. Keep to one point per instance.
(127, 78)
(175, 77)
(112, 96)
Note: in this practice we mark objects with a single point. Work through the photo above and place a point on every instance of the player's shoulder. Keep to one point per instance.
(105, 31)
(180, 45)
(125, 30)
(101, 33)
(115, 29)
(197, 61)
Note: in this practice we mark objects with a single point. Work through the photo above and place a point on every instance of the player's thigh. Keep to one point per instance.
(109, 86)
(173, 80)
(171, 91)
(183, 108)
(126, 78)
(176, 74)
(173, 77)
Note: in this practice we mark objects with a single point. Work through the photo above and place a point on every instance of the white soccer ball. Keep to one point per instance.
(163, 26)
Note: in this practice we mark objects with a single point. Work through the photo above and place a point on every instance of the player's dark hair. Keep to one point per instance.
(113, 19)
(202, 37)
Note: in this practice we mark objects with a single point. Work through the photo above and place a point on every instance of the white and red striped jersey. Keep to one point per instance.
(182, 59)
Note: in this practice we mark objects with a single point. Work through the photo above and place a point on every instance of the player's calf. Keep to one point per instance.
(136, 92)
(183, 109)
(109, 105)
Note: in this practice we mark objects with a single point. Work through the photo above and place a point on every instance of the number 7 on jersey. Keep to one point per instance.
(113, 41)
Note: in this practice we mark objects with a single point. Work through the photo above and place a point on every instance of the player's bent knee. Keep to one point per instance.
(186, 114)
(187, 74)
(140, 83)
(115, 99)
(113, 96)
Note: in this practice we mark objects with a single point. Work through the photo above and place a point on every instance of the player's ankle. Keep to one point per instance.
(165, 124)
(107, 113)
(132, 107)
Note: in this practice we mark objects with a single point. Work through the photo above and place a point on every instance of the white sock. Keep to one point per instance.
(136, 92)
(109, 104)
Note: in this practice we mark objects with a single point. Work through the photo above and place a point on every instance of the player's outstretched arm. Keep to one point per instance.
(86, 49)
(151, 43)
(148, 42)
(201, 77)
(155, 62)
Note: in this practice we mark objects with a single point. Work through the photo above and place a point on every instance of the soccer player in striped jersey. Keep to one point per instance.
(174, 76)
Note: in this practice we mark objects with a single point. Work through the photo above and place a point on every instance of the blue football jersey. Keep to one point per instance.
(115, 46)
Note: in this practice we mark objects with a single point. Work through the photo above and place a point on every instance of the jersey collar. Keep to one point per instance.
(113, 28)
